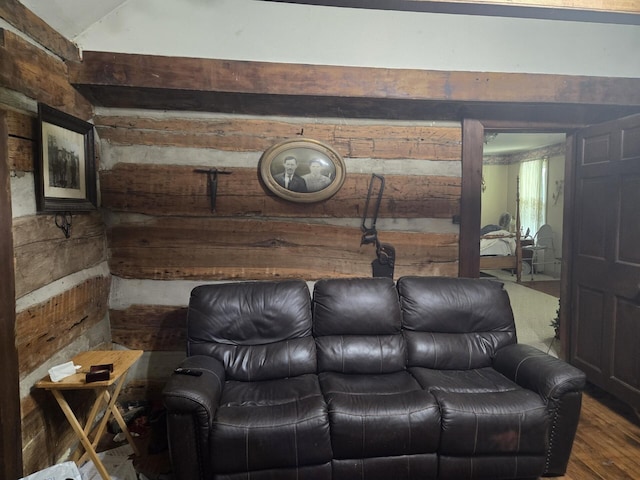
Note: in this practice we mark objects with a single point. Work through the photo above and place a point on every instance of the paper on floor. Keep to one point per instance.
(117, 462)
(61, 471)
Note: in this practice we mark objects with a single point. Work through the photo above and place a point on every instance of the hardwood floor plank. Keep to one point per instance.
(607, 444)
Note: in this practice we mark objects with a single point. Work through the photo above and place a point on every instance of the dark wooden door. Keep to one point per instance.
(605, 324)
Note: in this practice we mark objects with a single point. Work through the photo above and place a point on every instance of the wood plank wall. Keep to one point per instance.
(253, 231)
(161, 229)
(55, 312)
(61, 285)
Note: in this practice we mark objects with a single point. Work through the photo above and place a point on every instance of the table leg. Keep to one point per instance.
(77, 428)
(116, 414)
(113, 410)
(125, 430)
(90, 419)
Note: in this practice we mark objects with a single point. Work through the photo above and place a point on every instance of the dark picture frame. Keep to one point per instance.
(65, 172)
(316, 171)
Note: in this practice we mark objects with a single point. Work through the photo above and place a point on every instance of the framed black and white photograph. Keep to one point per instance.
(302, 170)
(65, 168)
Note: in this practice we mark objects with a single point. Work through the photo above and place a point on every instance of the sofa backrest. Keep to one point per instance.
(258, 330)
(357, 326)
(454, 323)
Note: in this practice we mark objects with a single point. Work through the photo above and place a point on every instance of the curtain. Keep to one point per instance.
(533, 195)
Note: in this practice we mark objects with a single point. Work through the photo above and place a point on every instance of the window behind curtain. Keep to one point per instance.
(533, 194)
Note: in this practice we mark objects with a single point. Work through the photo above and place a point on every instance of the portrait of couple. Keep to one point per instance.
(305, 176)
(302, 170)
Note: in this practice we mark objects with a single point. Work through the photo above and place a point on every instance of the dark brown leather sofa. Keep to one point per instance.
(367, 379)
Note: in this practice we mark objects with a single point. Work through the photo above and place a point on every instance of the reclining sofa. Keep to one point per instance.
(366, 379)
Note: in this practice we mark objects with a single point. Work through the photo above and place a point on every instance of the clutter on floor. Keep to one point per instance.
(147, 424)
(117, 461)
(61, 471)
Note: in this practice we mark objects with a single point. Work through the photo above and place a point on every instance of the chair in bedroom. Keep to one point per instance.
(543, 250)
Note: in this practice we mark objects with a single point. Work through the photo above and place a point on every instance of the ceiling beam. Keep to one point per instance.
(266, 78)
(595, 11)
(262, 88)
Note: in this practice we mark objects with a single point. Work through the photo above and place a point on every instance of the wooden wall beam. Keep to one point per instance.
(212, 75)
(16, 14)
(260, 88)
(256, 135)
(219, 249)
(31, 71)
(163, 190)
(349, 107)
(21, 141)
(48, 327)
(43, 254)
(150, 327)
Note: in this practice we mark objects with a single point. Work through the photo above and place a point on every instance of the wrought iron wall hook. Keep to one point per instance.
(369, 233)
(382, 266)
(212, 181)
(63, 222)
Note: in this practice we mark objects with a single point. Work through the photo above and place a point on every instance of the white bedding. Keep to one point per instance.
(499, 242)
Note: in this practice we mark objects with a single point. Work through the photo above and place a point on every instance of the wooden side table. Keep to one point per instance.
(122, 361)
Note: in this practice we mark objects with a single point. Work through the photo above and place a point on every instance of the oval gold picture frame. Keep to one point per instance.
(302, 170)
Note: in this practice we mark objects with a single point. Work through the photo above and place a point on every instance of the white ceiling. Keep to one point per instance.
(252, 30)
(72, 17)
(510, 143)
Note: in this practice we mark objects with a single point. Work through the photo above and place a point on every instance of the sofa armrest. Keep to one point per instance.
(559, 384)
(535, 370)
(191, 402)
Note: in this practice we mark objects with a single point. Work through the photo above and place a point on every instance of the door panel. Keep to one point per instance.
(588, 351)
(593, 227)
(629, 220)
(626, 361)
(605, 326)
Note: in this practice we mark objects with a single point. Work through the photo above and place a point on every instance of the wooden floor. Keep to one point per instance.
(607, 444)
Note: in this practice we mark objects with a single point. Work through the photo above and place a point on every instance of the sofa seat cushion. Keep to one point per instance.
(311, 472)
(422, 466)
(380, 415)
(493, 423)
(477, 380)
(493, 467)
(271, 424)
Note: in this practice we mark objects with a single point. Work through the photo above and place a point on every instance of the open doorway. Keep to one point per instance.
(522, 198)
(523, 178)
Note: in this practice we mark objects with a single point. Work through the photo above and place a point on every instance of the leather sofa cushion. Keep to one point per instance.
(403, 467)
(493, 423)
(289, 358)
(454, 323)
(258, 330)
(361, 354)
(271, 424)
(355, 306)
(380, 415)
(478, 380)
(357, 323)
(491, 467)
(312, 472)
(452, 351)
